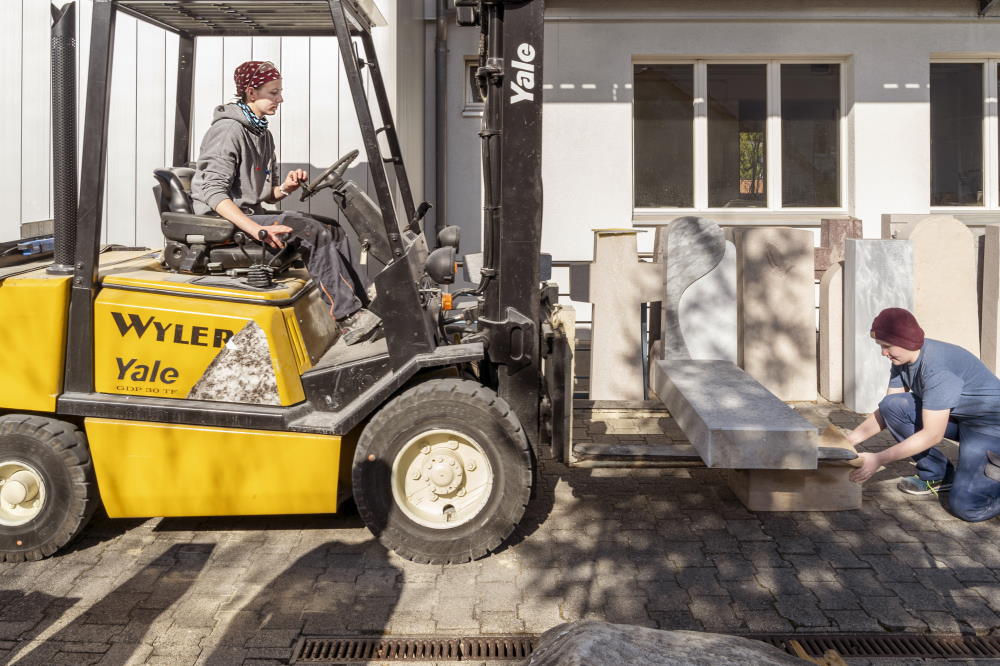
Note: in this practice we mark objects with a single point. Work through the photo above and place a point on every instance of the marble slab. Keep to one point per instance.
(990, 339)
(945, 299)
(698, 313)
(831, 334)
(731, 419)
(878, 274)
(776, 301)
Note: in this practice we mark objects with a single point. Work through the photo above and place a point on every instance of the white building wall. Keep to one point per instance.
(885, 49)
(313, 128)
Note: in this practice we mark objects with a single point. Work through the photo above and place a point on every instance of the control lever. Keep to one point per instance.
(241, 241)
(419, 215)
(261, 275)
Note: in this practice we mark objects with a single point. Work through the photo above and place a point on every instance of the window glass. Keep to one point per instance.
(663, 123)
(810, 135)
(956, 134)
(737, 141)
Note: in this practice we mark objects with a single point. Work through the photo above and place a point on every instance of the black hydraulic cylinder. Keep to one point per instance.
(64, 186)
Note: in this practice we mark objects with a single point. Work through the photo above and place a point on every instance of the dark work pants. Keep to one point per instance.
(327, 256)
(974, 496)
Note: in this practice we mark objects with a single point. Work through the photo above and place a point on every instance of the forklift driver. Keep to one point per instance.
(236, 173)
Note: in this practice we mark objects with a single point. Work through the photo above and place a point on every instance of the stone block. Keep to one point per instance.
(824, 489)
(831, 334)
(833, 232)
(617, 284)
(944, 279)
(698, 312)
(731, 419)
(593, 642)
(777, 310)
(990, 334)
(878, 274)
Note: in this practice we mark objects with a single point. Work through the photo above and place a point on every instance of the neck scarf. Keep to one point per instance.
(259, 124)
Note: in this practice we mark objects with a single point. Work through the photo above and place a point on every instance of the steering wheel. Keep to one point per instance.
(330, 177)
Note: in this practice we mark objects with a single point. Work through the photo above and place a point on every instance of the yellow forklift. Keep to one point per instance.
(208, 379)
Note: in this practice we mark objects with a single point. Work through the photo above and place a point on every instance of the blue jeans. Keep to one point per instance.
(974, 496)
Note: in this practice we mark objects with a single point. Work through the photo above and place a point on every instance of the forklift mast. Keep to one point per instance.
(510, 74)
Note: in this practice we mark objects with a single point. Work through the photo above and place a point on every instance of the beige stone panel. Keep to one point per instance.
(776, 306)
(619, 284)
(991, 300)
(831, 334)
(944, 279)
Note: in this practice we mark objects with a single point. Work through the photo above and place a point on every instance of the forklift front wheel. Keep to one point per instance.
(442, 474)
(47, 486)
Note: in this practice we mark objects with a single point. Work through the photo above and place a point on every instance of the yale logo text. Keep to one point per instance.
(524, 78)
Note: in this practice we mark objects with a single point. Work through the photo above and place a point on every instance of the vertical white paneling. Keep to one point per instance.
(269, 48)
(84, 12)
(119, 193)
(293, 115)
(208, 87)
(36, 124)
(150, 125)
(10, 129)
(324, 116)
(235, 51)
(171, 45)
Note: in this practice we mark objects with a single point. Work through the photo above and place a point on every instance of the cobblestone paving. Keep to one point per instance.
(667, 548)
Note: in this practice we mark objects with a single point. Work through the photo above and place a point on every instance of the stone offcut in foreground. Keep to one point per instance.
(731, 419)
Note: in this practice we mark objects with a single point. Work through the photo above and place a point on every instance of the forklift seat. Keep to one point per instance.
(194, 243)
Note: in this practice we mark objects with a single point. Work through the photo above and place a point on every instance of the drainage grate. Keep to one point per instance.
(891, 646)
(350, 649)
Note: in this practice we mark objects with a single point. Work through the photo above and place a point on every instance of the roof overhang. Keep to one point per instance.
(251, 18)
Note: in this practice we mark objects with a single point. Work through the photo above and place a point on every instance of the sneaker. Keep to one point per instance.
(914, 485)
(359, 326)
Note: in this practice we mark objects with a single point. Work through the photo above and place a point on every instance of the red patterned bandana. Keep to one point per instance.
(254, 74)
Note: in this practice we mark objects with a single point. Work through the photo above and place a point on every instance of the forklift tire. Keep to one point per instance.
(47, 486)
(443, 473)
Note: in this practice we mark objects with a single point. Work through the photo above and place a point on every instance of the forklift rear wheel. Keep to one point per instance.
(47, 486)
(442, 474)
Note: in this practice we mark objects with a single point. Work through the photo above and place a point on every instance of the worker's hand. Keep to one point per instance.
(870, 463)
(294, 179)
(274, 233)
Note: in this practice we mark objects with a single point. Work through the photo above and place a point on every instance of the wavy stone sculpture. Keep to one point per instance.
(698, 318)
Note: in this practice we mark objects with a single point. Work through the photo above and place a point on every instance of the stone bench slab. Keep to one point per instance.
(731, 419)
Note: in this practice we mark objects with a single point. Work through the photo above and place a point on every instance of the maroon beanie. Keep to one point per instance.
(898, 327)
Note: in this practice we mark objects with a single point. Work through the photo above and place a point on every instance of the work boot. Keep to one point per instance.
(361, 325)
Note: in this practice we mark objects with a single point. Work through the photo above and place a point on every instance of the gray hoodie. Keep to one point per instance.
(236, 161)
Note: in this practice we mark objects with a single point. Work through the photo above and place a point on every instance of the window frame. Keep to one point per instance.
(773, 139)
(471, 107)
(991, 132)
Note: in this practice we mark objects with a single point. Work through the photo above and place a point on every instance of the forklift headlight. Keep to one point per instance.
(450, 236)
(440, 265)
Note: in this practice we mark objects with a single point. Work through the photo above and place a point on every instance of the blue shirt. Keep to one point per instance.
(946, 376)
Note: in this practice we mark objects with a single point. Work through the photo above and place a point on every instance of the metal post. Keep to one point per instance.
(63, 54)
(372, 150)
(79, 376)
(185, 86)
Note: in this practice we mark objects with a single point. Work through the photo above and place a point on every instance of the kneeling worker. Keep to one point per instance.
(236, 173)
(936, 390)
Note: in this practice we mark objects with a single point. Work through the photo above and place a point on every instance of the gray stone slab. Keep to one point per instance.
(878, 274)
(731, 419)
(698, 317)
